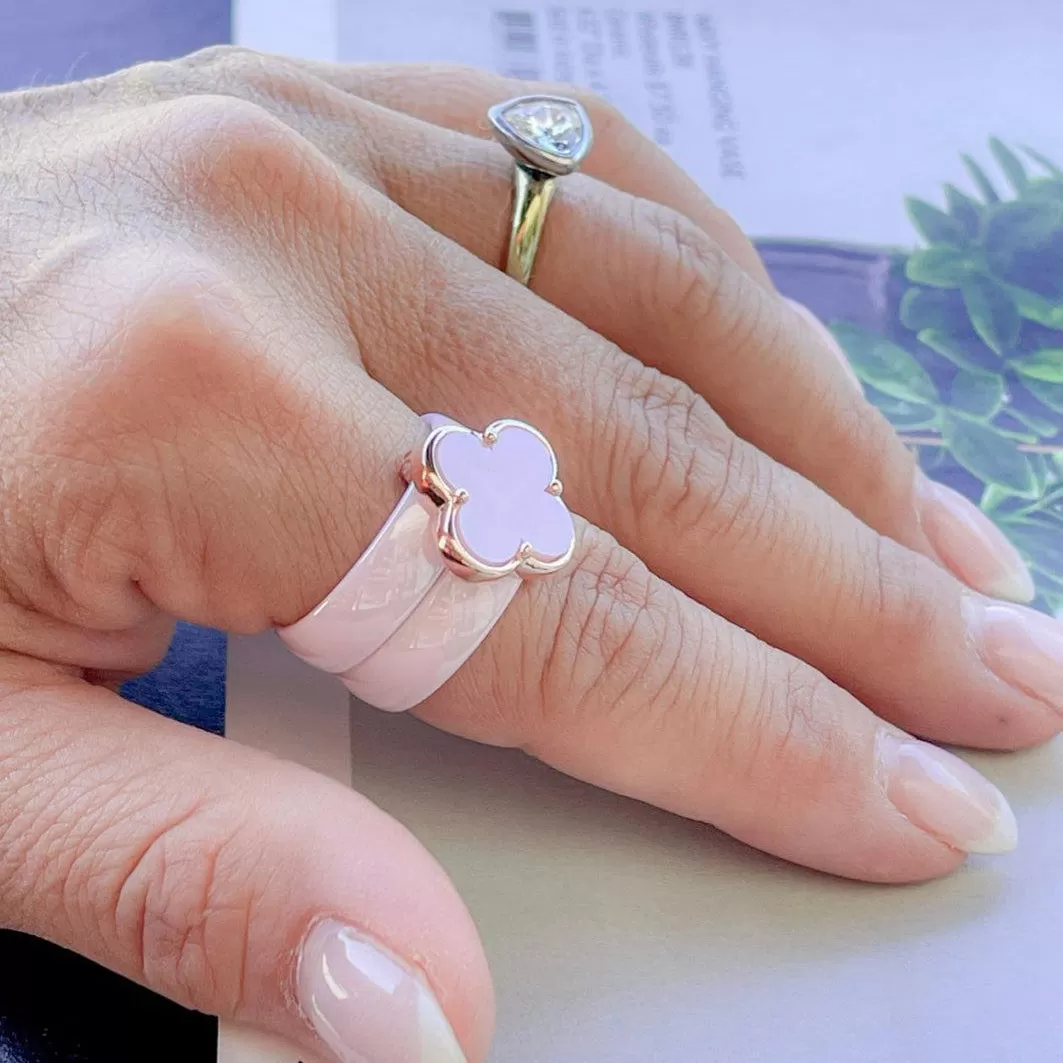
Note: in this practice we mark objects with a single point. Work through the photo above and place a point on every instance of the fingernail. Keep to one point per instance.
(944, 796)
(828, 340)
(969, 544)
(1023, 647)
(367, 1005)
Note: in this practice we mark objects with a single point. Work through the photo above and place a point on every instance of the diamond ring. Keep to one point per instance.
(548, 137)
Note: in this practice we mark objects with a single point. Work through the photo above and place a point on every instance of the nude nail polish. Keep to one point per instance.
(366, 1004)
(1022, 647)
(969, 544)
(945, 796)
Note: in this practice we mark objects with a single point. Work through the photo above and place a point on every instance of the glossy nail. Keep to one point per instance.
(367, 1005)
(1023, 647)
(945, 796)
(826, 337)
(969, 544)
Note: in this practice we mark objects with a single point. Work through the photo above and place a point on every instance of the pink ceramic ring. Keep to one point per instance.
(482, 510)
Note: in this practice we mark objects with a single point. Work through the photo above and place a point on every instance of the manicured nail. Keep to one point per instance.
(1023, 647)
(969, 544)
(828, 340)
(367, 1005)
(944, 796)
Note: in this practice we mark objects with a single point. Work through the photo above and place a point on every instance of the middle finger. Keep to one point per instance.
(646, 458)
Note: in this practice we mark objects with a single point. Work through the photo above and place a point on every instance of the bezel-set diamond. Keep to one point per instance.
(548, 134)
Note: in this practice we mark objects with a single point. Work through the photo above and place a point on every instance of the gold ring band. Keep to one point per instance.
(548, 137)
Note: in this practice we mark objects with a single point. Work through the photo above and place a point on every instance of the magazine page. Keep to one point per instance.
(899, 166)
(901, 169)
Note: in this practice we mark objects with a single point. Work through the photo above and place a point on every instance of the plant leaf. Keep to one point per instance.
(1045, 364)
(977, 394)
(884, 365)
(1010, 163)
(978, 175)
(932, 308)
(992, 497)
(1035, 307)
(963, 352)
(1023, 225)
(966, 210)
(941, 267)
(1043, 160)
(1045, 428)
(935, 226)
(1040, 543)
(993, 313)
(1046, 392)
(983, 453)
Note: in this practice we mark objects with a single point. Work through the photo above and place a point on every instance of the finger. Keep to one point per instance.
(228, 881)
(647, 459)
(775, 381)
(665, 290)
(614, 677)
(459, 97)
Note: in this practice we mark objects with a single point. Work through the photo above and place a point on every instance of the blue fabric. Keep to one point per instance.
(189, 685)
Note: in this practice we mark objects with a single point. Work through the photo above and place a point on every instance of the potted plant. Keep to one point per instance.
(960, 344)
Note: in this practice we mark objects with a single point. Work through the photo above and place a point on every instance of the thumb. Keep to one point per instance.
(229, 881)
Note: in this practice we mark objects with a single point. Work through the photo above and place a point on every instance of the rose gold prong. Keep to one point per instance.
(525, 551)
(554, 488)
(460, 496)
(490, 437)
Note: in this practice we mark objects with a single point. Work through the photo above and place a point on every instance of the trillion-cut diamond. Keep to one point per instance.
(552, 126)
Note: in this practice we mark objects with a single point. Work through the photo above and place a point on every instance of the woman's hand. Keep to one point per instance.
(226, 286)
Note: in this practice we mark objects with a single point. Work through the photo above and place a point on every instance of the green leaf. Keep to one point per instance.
(977, 394)
(932, 308)
(884, 365)
(1035, 307)
(1010, 163)
(1045, 428)
(1042, 544)
(978, 175)
(905, 416)
(993, 496)
(1045, 189)
(1045, 364)
(935, 226)
(993, 313)
(1046, 392)
(967, 211)
(941, 267)
(1023, 225)
(963, 352)
(983, 453)
(1043, 160)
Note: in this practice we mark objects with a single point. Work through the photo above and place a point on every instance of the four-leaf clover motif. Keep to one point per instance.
(501, 509)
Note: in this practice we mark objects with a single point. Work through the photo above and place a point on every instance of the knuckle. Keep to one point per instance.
(175, 900)
(898, 594)
(614, 641)
(690, 276)
(682, 467)
(882, 476)
(777, 728)
(221, 151)
(112, 427)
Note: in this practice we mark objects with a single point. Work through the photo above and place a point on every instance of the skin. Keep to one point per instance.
(226, 285)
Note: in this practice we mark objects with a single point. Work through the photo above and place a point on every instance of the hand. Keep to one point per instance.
(226, 286)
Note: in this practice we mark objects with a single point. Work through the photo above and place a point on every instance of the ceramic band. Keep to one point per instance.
(482, 510)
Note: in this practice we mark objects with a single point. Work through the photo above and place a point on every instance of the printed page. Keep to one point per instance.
(831, 132)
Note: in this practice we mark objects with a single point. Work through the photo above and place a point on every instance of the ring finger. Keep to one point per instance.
(649, 262)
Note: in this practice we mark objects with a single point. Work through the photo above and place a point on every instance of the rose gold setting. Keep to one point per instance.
(420, 469)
